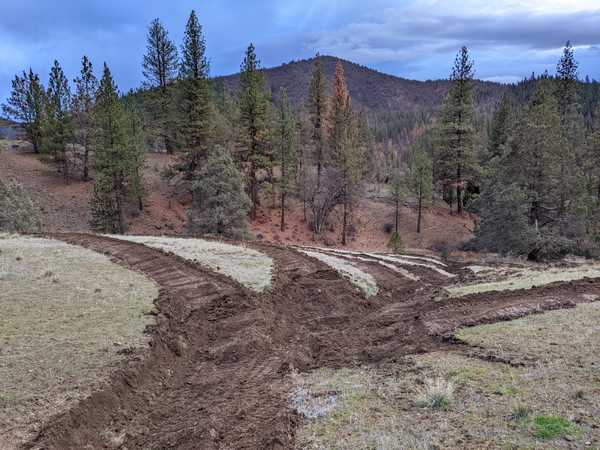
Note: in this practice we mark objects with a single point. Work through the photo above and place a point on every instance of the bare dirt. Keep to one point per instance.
(213, 375)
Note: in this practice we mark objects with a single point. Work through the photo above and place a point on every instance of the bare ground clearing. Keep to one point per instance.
(216, 373)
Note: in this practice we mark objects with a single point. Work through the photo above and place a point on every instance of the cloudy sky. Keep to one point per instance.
(411, 38)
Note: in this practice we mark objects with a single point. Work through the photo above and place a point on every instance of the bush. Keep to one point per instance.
(504, 226)
(395, 243)
(550, 427)
(219, 202)
(388, 228)
(550, 247)
(18, 214)
(437, 394)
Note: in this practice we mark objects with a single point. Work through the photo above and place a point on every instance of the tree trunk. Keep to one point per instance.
(397, 214)
(345, 221)
(253, 194)
(86, 158)
(459, 205)
(420, 208)
(283, 210)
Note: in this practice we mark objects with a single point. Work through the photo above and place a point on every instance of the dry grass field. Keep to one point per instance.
(67, 315)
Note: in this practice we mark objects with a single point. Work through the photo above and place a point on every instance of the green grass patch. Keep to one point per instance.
(551, 427)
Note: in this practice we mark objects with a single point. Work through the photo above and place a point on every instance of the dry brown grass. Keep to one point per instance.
(65, 313)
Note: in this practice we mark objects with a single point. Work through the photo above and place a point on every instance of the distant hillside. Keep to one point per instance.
(370, 89)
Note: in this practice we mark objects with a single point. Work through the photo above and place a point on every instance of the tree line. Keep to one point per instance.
(530, 172)
(532, 175)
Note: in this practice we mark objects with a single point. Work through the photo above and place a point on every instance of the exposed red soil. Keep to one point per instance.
(65, 208)
(212, 378)
(441, 228)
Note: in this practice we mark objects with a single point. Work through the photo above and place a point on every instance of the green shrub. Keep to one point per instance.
(220, 204)
(550, 427)
(18, 214)
(395, 243)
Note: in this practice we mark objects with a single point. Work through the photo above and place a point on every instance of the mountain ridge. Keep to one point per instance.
(370, 89)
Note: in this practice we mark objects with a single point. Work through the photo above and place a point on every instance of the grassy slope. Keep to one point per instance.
(65, 312)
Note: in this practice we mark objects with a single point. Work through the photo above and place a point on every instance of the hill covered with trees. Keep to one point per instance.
(370, 90)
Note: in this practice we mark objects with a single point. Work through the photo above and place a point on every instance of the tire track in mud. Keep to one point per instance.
(213, 377)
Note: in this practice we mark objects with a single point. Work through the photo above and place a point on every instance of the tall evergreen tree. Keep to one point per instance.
(160, 65)
(318, 108)
(420, 180)
(571, 124)
(456, 153)
(57, 123)
(26, 105)
(253, 101)
(287, 150)
(535, 154)
(593, 161)
(86, 86)
(134, 152)
(196, 112)
(397, 196)
(501, 127)
(194, 64)
(346, 155)
(117, 159)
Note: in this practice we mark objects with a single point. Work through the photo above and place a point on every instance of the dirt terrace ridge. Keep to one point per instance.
(214, 375)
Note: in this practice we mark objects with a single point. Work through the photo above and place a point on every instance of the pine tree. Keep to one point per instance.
(571, 124)
(26, 104)
(194, 64)
(503, 226)
(420, 180)
(287, 150)
(501, 127)
(57, 120)
(318, 108)
(456, 154)
(196, 111)
(535, 154)
(160, 69)
(219, 202)
(346, 155)
(593, 161)
(397, 196)
(118, 159)
(134, 152)
(253, 102)
(86, 86)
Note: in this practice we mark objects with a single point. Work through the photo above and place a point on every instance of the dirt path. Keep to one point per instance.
(212, 378)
